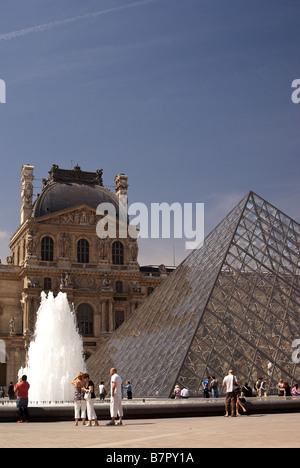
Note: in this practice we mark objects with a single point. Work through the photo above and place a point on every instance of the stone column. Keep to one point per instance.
(27, 192)
(111, 316)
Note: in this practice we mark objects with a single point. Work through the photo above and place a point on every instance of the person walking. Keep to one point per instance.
(90, 399)
(22, 389)
(79, 401)
(116, 398)
(230, 383)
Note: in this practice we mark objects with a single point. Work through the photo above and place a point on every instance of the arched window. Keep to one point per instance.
(117, 253)
(47, 249)
(83, 251)
(119, 318)
(47, 284)
(85, 320)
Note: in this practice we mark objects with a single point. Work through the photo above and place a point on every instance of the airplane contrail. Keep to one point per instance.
(46, 26)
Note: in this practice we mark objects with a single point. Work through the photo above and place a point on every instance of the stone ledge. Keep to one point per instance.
(156, 409)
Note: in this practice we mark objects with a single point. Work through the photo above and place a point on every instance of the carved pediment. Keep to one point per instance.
(80, 216)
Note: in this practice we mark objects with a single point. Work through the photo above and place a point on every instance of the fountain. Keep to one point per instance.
(55, 355)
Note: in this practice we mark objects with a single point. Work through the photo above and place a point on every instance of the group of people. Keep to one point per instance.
(236, 395)
(211, 386)
(181, 393)
(84, 399)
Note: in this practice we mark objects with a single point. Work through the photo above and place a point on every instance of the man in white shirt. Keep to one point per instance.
(116, 398)
(231, 383)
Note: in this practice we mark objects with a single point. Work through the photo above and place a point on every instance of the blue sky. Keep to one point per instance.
(190, 98)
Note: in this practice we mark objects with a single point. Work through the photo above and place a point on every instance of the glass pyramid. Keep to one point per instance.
(234, 303)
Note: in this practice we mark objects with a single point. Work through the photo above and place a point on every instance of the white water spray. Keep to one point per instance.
(56, 355)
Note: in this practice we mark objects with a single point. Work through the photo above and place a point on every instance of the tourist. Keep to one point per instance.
(185, 393)
(240, 402)
(128, 389)
(206, 387)
(295, 389)
(79, 401)
(90, 399)
(22, 389)
(230, 383)
(258, 384)
(264, 388)
(214, 385)
(247, 391)
(11, 391)
(287, 389)
(177, 392)
(116, 398)
(280, 387)
(102, 391)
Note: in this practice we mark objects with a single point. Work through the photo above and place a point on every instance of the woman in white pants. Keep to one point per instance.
(79, 401)
(90, 398)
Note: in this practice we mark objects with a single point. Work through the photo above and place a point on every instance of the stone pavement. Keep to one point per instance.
(256, 431)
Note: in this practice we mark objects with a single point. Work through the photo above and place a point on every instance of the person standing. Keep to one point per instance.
(214, 385)
(116, 398)
(90, 399)
(128, 388)
(11, 392)
(79, 401)
(206, 387)
(22, 389)
(230, 383)
(102, 391)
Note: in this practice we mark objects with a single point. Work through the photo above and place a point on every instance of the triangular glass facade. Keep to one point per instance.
(234, 303)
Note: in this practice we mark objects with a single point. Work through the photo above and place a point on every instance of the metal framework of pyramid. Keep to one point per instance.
(234, 303)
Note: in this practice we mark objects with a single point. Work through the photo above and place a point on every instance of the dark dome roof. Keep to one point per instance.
(59, 196)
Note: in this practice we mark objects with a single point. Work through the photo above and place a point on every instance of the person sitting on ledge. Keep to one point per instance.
(185, 394)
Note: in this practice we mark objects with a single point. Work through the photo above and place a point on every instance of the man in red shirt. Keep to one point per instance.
(21, 389)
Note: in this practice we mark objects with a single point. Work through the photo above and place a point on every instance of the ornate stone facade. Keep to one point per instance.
(56, 248)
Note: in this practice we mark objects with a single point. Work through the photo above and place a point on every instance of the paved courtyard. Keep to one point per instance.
(254, 431)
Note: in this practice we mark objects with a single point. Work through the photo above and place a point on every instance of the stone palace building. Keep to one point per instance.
(56, 248)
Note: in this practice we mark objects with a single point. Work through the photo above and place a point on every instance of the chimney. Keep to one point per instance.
(27, 192)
